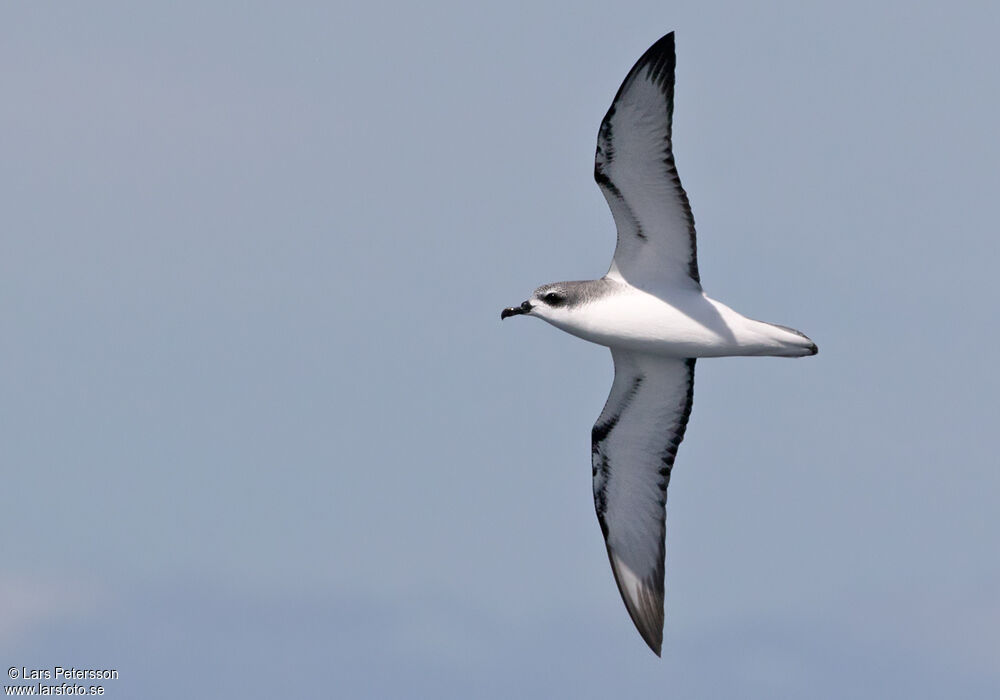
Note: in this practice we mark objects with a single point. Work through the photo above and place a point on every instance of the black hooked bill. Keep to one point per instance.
(524, 308)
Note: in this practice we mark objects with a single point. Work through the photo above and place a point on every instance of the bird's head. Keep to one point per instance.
(549, 302)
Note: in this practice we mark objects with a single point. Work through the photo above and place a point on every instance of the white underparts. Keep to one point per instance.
(679, 323)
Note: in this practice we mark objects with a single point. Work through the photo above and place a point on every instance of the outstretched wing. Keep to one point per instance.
(634, 167)
(634, 444)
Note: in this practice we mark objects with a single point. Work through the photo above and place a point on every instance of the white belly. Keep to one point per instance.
(688, 325)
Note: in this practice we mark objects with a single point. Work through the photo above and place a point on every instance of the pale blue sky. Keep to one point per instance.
(262, 433)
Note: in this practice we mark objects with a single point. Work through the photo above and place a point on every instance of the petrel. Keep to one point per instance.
(651, 311)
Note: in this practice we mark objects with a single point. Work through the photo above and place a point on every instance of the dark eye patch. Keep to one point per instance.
(553, 298)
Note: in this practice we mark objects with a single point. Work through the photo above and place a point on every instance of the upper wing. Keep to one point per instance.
(634, 167)
(634, 444)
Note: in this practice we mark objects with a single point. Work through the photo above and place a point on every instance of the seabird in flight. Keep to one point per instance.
(651, 311)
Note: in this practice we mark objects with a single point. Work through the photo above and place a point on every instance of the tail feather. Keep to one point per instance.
(802, 343)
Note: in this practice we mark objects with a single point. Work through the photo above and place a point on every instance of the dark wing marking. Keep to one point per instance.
(634, 443)
(635, 170)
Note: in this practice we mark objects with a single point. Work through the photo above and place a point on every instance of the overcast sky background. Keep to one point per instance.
(263, 434)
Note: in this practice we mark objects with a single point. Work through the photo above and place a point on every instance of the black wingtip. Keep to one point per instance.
(664, 41)
(661, 60)
(654, 640)
(662, 49)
